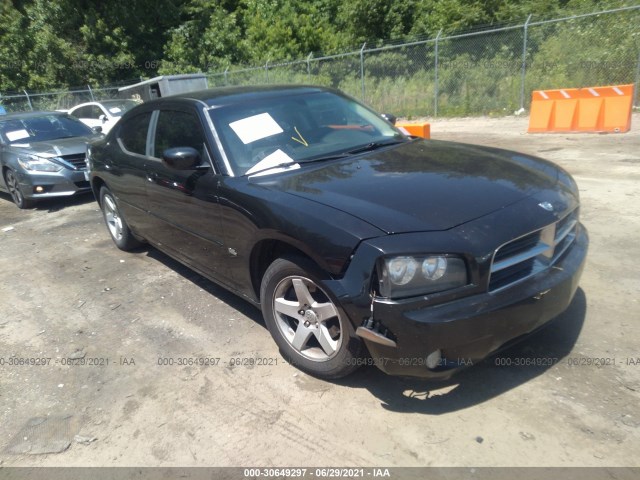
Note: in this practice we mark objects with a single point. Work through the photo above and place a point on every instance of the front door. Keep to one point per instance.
(183, 206)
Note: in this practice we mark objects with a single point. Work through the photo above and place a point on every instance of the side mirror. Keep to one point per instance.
(181, 158)
(389, 118)
(97, 129)
(103, 118)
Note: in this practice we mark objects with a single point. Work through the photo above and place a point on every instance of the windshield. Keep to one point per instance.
(117, 108)
(41, 128)
(276, 131)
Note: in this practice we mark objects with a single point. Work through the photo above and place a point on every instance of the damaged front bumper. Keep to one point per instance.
(414, 337)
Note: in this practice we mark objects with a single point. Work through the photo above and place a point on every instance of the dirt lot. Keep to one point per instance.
(66, 291)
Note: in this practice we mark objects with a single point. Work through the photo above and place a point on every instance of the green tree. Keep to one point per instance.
(13, 42)
(208, 38)
(286, 29)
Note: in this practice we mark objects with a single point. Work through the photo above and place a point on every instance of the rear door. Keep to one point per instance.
(127, 155)
(183, 204)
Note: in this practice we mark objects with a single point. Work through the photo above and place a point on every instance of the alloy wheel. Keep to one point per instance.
(112, 217)
(307, 318)
(14, 188)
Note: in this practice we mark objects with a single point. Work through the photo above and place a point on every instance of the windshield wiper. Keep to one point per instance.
(364, 148)
(374, 146)
(287, 165)
(327, 157)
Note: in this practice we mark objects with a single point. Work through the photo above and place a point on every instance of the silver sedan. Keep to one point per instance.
(42, 154)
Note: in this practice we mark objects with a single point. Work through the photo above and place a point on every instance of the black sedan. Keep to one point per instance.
(360, 245)
(42, 155)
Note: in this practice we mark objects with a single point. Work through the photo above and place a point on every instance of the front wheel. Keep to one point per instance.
(17, 196)
(118, 228)
(309, 327)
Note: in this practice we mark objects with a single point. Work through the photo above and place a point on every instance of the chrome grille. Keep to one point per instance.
(76, 160)
(532, 253)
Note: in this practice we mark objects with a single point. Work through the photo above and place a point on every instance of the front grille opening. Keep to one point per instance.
(520, 245)
(532, 253)
(512, 274)
(76, 159)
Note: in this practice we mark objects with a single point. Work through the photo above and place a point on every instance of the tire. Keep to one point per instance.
(310, 328)
(11, 181)
(116, 224)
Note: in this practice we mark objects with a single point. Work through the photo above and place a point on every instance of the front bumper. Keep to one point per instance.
(60, 184)
(469, 329)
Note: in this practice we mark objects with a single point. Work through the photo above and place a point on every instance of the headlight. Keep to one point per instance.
(401, 270)
(38, 164)
(434, 268)
(407, 276)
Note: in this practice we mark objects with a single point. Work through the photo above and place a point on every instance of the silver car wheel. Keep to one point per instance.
(307, 318)
(14, 187)
(112, 216)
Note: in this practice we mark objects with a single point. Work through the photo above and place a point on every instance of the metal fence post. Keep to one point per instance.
(637, 85)
(266, 71)
(309, 66)
(435, 94)
(93, 99)
(524, 61)
(226, 80)
(28, 99)
(362, 68)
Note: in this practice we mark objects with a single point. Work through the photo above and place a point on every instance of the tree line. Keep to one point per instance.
(51, 44)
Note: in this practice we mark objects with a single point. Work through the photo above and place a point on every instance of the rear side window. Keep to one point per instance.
(133, 133)
(178, 129)
(90, 111)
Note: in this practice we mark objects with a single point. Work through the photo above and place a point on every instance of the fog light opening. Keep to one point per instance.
(39, 189)
(434, 359)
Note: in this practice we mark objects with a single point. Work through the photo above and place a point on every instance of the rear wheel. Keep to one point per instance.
(17, 196)
(312, 331)
(118, 228)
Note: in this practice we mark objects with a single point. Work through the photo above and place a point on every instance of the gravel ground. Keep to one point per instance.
(67, 292)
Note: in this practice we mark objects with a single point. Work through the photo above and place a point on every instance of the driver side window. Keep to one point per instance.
(178, 129)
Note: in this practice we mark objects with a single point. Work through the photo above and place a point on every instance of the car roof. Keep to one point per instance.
(103, 102)
(225, 95)
(115, 100)
(15, 115)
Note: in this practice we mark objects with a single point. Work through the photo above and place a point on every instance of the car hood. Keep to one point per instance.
(420, 185)
(55, 148)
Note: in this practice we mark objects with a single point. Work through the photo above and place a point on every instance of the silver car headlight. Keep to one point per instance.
(38, 164)
(407, 276)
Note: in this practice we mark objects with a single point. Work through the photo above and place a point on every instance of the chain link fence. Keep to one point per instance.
(62, 100)
(486, 72)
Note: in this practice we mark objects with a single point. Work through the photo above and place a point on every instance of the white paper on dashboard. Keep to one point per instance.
(276, 158)
(17, 135)
(115, 110)
(255, 128)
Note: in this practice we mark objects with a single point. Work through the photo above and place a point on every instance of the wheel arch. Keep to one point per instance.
(267, 250)
(96, 185)
(3, 181)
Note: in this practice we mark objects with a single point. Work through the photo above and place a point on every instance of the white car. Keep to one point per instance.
(104, 114)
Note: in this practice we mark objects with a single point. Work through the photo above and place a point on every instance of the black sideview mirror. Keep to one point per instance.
(181, 158)
(389, 118)
(97, 129)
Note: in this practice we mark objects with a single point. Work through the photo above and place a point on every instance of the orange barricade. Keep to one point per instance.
(416, 129)
(595, 109)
